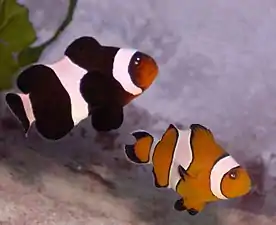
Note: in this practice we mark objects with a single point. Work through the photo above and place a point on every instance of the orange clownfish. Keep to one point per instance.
(191, 163)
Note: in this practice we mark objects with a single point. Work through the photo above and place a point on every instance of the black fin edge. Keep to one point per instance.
(11, 96)
(182, 172)
(129, 151)
(192, 212)
(140, 134)
(197, 126)
(157, 185)
(172, 126)
(179, 205)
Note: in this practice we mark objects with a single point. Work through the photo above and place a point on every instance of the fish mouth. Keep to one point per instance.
(254, 189)
(148, 79)
(249, 191)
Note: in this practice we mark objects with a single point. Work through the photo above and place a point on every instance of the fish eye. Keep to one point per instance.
(233, 174)
(137, 60)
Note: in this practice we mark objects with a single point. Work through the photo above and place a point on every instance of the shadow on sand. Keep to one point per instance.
(100, 158)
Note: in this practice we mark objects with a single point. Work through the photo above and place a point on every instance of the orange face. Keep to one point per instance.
(143, 70)
(236, 183)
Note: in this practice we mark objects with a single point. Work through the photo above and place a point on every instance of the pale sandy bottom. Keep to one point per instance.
(216, 68)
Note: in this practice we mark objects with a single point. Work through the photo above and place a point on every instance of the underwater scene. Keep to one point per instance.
(137, 112)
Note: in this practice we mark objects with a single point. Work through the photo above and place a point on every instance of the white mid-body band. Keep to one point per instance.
(70, 76)
(183, 155)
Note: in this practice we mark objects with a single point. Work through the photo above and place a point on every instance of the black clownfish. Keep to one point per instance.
(90, 79)
(191, 163)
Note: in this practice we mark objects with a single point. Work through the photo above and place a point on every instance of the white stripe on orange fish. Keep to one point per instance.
(183, 156)
(120, 70)
(70, 76)
(221, 167)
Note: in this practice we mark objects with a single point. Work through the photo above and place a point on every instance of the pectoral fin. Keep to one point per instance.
(182, 173)
(107, 118)
(179, 205)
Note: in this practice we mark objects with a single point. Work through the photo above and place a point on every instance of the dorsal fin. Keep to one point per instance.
(202, 130)
(84, 51)
(202, 136)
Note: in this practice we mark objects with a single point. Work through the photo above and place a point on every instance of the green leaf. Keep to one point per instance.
(32, 54)
(8, 67)
(15, 27)
(16, 34)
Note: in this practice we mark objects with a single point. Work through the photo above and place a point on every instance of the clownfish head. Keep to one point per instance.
(143, 69)
(236, 183)
(229, 179)
(134, 70)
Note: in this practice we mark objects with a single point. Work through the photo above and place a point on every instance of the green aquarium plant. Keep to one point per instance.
(16, 37)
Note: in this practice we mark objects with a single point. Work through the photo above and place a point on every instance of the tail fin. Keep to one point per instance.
(140, 151)
(17, 108)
